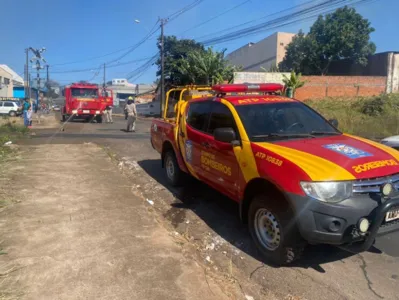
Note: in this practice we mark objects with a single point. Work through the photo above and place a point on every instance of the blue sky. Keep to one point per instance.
(81, 30)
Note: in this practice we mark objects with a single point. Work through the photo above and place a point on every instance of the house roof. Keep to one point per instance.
(15, 76)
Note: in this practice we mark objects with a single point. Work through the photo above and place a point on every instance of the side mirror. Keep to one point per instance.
(224, 135)
(334, 122)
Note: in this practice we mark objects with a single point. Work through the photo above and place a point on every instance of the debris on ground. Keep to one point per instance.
(150, 201)
(210, 246)
(7, 143)
(208, 258)
(249, 297)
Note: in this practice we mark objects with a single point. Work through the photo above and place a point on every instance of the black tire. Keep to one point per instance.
(63, 117)
(280, 228)
(99, 119)
(175, 177)
(12, 113)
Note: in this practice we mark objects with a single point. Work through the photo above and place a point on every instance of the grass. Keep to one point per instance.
(371, 117)
(10, 131)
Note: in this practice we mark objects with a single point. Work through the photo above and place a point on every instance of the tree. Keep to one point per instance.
(206, 67)
(188, 62)
(293, 82)
(343, 34)
(175, 52)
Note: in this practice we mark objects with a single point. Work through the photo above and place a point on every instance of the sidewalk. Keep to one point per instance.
(74, 230)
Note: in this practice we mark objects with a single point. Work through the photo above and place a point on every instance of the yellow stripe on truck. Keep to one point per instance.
(244, 154)
(182, 140)
(394, 153)
(317, 168)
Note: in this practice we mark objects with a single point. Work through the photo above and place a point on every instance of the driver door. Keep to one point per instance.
(218, 160)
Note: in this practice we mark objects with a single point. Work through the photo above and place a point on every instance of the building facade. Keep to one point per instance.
(262, 55)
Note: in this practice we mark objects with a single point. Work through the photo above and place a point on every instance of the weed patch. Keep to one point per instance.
(371, 117)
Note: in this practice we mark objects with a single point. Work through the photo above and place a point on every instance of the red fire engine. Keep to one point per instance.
(83, 100)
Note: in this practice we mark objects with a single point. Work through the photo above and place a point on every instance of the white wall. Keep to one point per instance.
(259, 77)
(254, 56)
(393, 73)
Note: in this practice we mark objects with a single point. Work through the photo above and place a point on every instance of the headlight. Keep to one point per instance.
(330, 191)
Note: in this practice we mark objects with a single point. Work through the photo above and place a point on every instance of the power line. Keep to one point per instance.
(108, 66)
(255, 20)
(144, 67)
(183, 10)
(318, 9)
(153, 30)
(215, 17)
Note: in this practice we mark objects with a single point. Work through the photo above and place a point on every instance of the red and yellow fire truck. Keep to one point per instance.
(296, 177)
(85, 100)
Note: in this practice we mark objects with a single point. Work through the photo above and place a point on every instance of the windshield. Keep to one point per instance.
(283, 120)
(84, 93)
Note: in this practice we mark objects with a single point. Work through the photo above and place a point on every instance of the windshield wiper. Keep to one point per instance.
(283, 135)
(324, 133)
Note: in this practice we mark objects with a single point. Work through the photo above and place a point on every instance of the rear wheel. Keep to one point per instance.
(99, 119)
(173, 172)
(273, 230)
(12, 113)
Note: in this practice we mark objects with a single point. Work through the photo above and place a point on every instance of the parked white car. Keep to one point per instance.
(392, 141)
(9, 108)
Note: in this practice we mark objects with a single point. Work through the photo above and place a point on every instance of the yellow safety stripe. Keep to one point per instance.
(244, 154)
(317, 168)
(182, 140)
(394, 153)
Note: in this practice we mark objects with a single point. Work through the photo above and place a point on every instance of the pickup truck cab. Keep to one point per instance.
(296, 177)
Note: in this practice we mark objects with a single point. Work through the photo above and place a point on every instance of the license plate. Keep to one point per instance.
(86, 111)
(392, 215)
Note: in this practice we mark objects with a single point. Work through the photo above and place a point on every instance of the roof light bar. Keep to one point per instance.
(241, 88)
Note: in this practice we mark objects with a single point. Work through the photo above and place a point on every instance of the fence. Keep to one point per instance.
(341, 86)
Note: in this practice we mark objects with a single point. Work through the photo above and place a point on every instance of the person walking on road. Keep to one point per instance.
(108, 114)
(25, 107)
(125, 111)
(132, 115)
(29, 117)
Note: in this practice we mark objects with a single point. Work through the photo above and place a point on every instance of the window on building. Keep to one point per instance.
(198, 115)
(6, 80)
(221, 117)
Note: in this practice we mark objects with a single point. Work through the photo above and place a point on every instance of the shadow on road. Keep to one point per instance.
(221, 214)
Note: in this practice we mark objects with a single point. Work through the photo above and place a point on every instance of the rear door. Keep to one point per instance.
(218, 158)
(196, 123)
(8, 106)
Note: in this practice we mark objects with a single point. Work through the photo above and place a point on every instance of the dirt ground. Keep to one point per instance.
(72, 227)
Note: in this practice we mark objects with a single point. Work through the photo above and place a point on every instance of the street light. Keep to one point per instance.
(137, 21)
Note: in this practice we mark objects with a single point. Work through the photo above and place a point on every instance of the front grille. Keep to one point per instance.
(373, 185)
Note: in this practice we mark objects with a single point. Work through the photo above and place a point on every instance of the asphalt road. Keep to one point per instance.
(324, 272)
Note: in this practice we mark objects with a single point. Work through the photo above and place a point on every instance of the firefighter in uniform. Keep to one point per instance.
(132, 114)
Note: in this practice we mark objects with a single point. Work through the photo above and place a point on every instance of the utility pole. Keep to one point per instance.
(47, 66)
(37, 57)
(104, 81)
(38, 85)
(162, 104)
(26, 73)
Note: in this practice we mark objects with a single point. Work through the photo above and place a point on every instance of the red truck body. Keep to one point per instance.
(296, 177)
(83, 100)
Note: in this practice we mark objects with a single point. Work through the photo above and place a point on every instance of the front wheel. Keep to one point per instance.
(12, 113)
(273, 230)
(173, 173)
